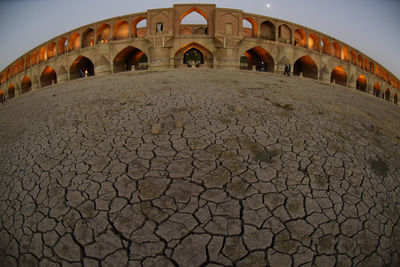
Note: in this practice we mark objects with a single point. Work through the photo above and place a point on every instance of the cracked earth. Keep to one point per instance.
(199, 167)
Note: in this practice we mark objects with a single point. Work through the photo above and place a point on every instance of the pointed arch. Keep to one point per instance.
(345, 54)
(360, 62)
(353, 57)
(88, 38)
(339, 76)
(191, 10)
(336, 50)
(51, 52)
(361, 83)
(80, 68)
(366, 64)
(300, 38)
(206, 55)
(260, 58)
(35, 57)
(62, 46)
(43, 54)
(267, 30)
(103, 33)
(313, 42)
(26, 85)
(250, 32)
(28, 61)
(128, 58)
(11, 91)
(326, 46)
(307, 66)
(139, 27)
(121, 30)
(284, 34)
(48, 77)
(74, 42)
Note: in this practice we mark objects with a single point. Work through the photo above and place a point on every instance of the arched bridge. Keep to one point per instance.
(228, 38)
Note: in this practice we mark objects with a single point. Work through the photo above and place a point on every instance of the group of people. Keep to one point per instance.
(2, 97)
(287, 70)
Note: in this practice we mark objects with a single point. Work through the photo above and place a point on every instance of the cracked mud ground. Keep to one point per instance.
(199, 167)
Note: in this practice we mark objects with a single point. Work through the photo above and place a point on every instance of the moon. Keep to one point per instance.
(268, 5)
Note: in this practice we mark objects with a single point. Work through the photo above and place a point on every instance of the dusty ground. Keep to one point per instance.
(199, 167)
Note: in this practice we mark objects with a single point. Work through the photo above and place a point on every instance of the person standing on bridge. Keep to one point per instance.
(289, 69)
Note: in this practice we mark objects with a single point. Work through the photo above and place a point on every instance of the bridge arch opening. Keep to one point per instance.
(249, 27)
(48, 77)
(128, 58)
(88, 38)
(339, 76)
(188, 53)
(313, 42)
(121, 30)
(361, 83)
(387, 94)
(103, 33)
(300, 38)
(377, 90)
(267, 30)
(284, 34)
(11, 91)
(74, 42)
(52, 50)
(62, 46)
(26, 85)
(307, 66)
(336, 50)
(326, 46)
(139, 27)
(258, 57)
(81, 67)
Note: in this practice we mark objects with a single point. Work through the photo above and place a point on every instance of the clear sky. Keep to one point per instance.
(371, 26)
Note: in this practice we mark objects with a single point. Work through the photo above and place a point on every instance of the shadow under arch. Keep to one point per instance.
(48, 77)
(307, 66)
(130, 57)
(258, 57)
(181, 56)
(339, 75)
(80, 68)
(26, 85)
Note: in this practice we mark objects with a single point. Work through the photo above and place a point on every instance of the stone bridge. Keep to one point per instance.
(229, 39)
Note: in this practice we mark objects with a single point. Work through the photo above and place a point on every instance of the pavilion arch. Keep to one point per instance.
(353, 57)
(28, 61)
(51, 52)
(128, 58)
(43, 54)
(88, 38)
(345, 54)
(366, 64)
(260, 58)
(139, 27)
(35, 57)
(103, 33)
(121, 30)
(11, 91)
(21, 65)
(284, 34)
(360, 62)
(372, 67)
(307, 66)
(26, 85)
(267, 30)
(80, 68)
(62, 46)
(74, 42)
(191, 10)
(326, 46)
(339, 76)
(387, 94)
(361, 83)
(313, 42)
(48, 77)
(377, 90)
(253, 31)
(336, 50)
(300, 38)
(181, 55)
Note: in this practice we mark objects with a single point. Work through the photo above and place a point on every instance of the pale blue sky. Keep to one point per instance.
(372, 26)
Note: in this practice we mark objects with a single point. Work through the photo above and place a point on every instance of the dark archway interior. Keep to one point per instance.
(48, 77)
(339, 76)
(361, 84)
(193, 55)
(260, 58)
(11, 91)
(26, 85)
(81, 67)
(128, 58)
(307, 66)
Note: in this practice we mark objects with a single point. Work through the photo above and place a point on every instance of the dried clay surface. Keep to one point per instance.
(199, 167)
